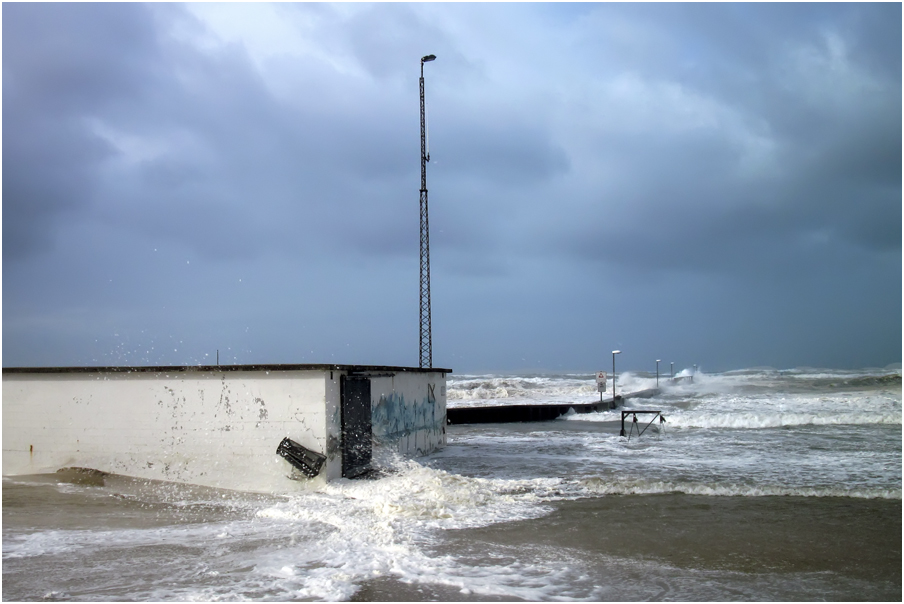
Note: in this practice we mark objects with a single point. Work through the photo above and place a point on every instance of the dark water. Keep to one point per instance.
(141, 541)
(678, 547)
(761, 487)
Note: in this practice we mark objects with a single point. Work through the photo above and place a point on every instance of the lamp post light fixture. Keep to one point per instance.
(426, 336)
(657, 372)
(614, 352)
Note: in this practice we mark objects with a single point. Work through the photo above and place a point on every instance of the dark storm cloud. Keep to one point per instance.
(237, 169)
(379, 37)
(75, 67)
(510, 154)
(88, 58)
(42, 182)
(205, 170)
(695, 215)
(835, 131)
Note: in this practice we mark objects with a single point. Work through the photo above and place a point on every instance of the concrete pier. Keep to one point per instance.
(500, 414)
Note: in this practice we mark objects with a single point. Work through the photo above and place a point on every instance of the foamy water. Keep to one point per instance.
(419, 532)
(766, 432)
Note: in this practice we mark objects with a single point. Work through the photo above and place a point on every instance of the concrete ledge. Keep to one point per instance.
(191, 368)
(516, 413)
(501, 414)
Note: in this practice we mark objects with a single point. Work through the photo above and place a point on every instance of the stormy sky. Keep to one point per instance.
(710, 184)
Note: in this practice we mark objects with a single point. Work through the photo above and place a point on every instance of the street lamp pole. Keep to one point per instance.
(614, 352)
(426, 336)
(657, 372)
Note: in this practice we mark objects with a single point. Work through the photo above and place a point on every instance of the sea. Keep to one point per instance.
(760, 484)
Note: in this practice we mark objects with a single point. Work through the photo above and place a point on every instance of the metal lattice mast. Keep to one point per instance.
(426, 336)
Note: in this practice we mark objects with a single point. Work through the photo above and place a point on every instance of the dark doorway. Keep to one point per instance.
(356, 425)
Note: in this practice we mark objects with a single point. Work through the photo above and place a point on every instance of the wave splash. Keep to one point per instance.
(581, 388)
(780, 420)
(379, 528)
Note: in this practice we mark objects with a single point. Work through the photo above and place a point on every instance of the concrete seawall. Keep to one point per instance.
(498, 414)
(216, 426)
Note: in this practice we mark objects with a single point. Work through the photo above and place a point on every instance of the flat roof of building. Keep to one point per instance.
(206, 368)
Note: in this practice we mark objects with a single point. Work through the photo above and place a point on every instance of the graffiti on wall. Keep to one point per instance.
(416, 425)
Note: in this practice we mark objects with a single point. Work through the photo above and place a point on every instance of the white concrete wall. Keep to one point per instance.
(215, 428)
(409, 412)
(210, 427)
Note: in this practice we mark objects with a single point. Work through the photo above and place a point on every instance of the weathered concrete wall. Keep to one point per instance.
(409, 412)
(332, 426)
(212, 428)
(208, 426)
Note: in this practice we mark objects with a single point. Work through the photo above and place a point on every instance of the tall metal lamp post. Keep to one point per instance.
(657, 372)
(614, 352)
(426, 337)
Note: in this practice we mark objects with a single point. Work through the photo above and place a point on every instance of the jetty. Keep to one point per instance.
(501, 414)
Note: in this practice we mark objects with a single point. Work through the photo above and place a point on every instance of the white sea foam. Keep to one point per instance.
(597, 486)
(433, 497)
(513, 389)
(469, 390)
(747, 420)
(70, 541)
(380, 527)
(777, 420)
(325, 544)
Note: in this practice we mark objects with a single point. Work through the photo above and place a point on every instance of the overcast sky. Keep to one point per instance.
(710, 184)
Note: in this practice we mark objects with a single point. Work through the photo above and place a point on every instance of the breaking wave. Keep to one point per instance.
(488, 387)
(597, 486)
(779, 420)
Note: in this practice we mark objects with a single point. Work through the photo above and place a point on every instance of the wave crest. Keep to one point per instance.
(599, 486)
(779, 420)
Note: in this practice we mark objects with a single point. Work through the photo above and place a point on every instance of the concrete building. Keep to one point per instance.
(220, 426)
